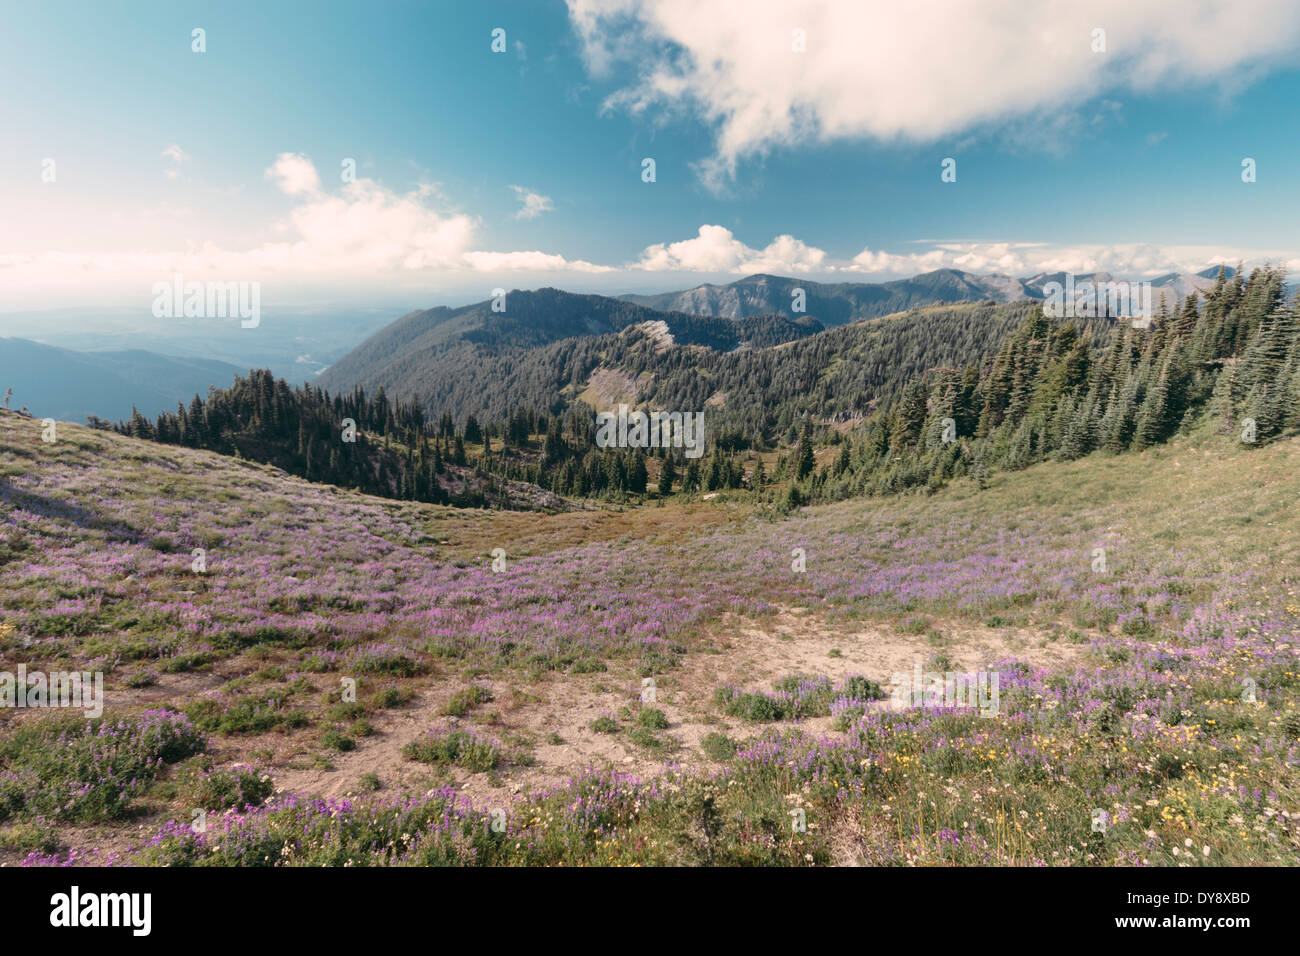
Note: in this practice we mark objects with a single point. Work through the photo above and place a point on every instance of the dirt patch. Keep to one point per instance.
(743, 651)
(609, 387)
(549, 719)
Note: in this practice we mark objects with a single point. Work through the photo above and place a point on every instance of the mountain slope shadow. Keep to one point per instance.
(46, 507)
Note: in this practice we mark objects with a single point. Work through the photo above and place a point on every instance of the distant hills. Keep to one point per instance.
(837, 303)
(529, 319)
(762, 387)
(69, 385)
(422, 351)
(294, 343)
(536, 348)
(458, 359)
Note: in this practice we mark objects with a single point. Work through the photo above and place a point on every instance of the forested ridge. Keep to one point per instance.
(536, 430)
(761, 391)
(1228, 360)
(908, 401)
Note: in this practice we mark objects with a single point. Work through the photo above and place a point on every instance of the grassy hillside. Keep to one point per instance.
(501, 716)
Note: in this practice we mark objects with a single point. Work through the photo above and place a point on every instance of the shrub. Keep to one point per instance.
(246, 715)
(647, 738)
(335, 740)
(718, 746)
(463, 701)
(652, 718)
(384, 659)
(238, 787)
(88, 770)
(858, 687)
(456, 746)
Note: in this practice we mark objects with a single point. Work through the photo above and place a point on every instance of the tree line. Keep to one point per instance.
(1229, 356)
(395, 449)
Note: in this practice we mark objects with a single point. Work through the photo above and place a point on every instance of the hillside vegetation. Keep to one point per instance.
(765, 384)
(754, 398)
(1157, 686)
(1230, 365)
(910, 401)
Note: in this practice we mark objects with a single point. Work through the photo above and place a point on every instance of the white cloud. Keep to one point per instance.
(1023, 259)
(178, 157)
(919, 70)
(365, 236)
(295, 175)
(176, 154)
(529, 262)
(716, 249)
(363, 232)
(532, 204)
(367, 228)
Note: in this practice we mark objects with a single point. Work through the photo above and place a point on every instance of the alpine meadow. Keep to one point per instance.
(643, 433)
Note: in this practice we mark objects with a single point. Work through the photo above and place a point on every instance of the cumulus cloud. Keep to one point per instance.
(367, 235)
(716, 249)
(295, 175)
(366, 227)
(913, 71)
(363, 231)
(532, 204)
(530, 262)
(1023, 259)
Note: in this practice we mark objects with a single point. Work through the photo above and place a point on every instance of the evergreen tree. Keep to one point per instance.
(473, 431)
(1153, 416)
(667, 475)
(637, 475)
(691, 478)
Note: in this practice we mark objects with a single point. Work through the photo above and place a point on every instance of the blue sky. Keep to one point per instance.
(226, 164)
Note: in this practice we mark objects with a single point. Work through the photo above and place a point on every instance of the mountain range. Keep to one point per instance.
(295, 343)
(70, 385)
(836, 303)
(433, 353)
(544, 346)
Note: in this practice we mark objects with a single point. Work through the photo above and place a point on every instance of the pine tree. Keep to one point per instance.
(473, 432)
(691, 479)
(1269, 349)
(805, 462)
(637, 474)
(1185, 324)
(1151, 419)
(1116, 423)
(667, 475)
(553, 449)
